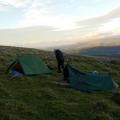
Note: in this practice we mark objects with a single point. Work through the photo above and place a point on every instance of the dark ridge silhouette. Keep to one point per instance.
(110, 51)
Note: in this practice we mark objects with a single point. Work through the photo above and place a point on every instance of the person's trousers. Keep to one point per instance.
(60, 67)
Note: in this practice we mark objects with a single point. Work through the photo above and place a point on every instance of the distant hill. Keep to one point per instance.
(100, 47)
(110, 51)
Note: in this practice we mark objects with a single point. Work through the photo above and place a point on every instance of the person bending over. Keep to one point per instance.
(60, 60)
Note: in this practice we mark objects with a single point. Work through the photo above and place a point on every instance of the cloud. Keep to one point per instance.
(45, 36)
(15, 3)
(23, 36)
(5, 7)
(113, 25)
(43, 13)
(98, 22)
(98, 0)
(54, 28)
(41, 36)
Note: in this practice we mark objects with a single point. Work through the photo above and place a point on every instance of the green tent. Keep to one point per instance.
(90, 81)
(29, 65)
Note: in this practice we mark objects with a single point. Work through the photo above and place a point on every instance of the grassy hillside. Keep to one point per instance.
(40, 98)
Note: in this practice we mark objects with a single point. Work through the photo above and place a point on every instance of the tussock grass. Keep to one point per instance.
(116, 97)
(39, 98)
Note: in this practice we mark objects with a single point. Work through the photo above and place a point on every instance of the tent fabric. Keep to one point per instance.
(31, 65)
(15, 73)
(90, 81)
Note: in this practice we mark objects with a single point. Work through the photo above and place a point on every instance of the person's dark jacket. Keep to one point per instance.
(59, 56)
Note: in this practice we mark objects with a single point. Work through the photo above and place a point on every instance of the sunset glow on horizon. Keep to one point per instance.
(57, 22)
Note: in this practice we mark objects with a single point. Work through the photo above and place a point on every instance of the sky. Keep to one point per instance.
(57, 22)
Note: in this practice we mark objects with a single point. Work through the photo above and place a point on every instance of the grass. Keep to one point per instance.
(39, 98)
(116, 97)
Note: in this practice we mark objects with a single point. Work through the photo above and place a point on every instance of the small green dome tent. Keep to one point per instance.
(90, 81)
(29, 65)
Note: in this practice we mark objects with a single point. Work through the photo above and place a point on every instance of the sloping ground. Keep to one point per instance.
(40, 98)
